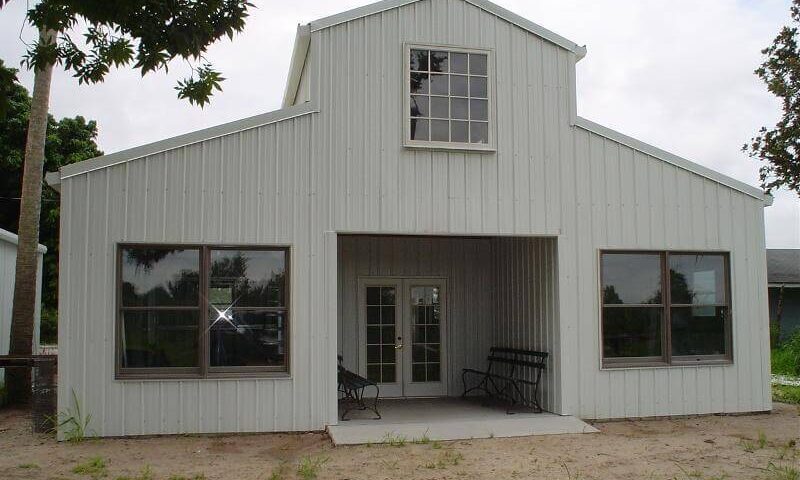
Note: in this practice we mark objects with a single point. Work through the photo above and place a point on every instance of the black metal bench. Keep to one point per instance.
(352, 386)
(505, 377)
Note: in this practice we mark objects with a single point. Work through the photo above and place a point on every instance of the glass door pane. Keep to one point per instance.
(425, 334)
(381, 320)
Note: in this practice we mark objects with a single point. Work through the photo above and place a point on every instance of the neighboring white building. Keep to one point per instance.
(8, 262)
(430, 150)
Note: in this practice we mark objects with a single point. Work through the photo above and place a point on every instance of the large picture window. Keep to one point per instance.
(202, 311)
(665, 308)
(448, 98)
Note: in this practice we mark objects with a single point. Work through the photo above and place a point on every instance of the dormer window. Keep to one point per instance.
(448, 98)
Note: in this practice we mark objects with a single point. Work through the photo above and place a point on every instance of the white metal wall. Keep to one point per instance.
(8, 262)
(251, 187)
(616, 197)
(527, 305)
(344, 170)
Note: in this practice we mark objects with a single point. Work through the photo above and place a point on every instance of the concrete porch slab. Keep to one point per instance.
(448, 419)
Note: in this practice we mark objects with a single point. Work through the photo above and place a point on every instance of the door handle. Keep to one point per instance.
(398, 346)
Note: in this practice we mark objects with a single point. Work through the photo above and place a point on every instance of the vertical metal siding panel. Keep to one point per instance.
(552, 128)
(93, 339)
(627, 197)
(739, 280)
(155, 194)
(79, 279)
(116, 221)
(520, 109)
(505, 93)
(191, 218)
(642, 200)
(372, 120)
(536, 133)
(172, 230)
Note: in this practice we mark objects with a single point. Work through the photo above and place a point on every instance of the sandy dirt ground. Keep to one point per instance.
(761, 446)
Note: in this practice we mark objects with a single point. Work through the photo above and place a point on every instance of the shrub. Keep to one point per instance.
(786, 358)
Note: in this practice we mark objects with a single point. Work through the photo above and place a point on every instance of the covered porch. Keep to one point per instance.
(415, 311)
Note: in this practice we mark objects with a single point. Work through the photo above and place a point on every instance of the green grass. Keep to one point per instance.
(786, 394)
(309, 467)
(786, 357)
(94, 467)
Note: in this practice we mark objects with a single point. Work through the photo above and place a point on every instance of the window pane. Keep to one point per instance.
(160, 277)
(478, 110)
(478, 132)
(440, 107)
(458, 85)
(418, 372)
(247, 338)
(373, 295)
(440, 130)
(387, 295)
(459, 108)
(419, 106)
(698, 330)
(159, 339)
(419, 83)
(439, 84)
(632, 332)
(247, 278)
(439, 61)
(419, 60)
(419, 129)
(458, 62)
(631, 278)
(477, 64)
(697, 279)
(477, 87)
(459, 132)
(433, 372)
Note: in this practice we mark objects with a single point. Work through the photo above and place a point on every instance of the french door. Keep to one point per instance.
(402, 335)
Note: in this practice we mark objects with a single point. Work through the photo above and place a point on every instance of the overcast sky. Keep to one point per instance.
(677, 74)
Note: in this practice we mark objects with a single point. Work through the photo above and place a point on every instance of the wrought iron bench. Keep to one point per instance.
(505, 377)
(352, 386)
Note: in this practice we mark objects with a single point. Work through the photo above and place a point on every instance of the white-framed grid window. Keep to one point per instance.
(448, 98)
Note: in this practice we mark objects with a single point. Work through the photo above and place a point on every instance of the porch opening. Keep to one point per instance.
(415, 311)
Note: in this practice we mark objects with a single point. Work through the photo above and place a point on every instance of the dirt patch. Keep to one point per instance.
(747, 447)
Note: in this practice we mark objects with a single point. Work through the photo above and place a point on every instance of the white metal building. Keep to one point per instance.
(8, 262)
(429, 155)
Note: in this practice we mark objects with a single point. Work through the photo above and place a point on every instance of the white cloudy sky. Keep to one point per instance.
(675, 74)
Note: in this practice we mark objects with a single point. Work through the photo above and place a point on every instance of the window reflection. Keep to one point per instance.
(447, 85)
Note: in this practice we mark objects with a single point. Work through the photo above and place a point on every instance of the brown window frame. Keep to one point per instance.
(667, 359)
(204, 369)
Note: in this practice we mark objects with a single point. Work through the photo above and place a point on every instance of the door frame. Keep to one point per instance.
(403, 283)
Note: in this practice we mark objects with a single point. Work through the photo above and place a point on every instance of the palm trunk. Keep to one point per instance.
(18, 380)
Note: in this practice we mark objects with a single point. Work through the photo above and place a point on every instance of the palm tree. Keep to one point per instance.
(21, 342)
